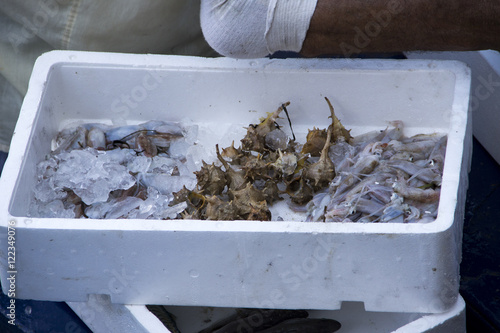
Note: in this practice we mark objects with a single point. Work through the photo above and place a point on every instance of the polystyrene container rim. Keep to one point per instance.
(46, 63)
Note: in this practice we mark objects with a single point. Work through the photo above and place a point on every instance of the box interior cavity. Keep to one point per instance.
(364, 100)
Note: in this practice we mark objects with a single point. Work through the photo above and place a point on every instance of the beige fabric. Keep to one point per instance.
(29, 28)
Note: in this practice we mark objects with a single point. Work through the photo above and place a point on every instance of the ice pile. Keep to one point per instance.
(89, 173)
(79, 179)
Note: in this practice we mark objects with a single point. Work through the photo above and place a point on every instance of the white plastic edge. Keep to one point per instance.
(46, 62)
(429, 322)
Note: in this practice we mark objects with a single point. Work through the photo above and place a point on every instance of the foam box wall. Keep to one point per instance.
(102, 316)
(289, 264)
(485, 95)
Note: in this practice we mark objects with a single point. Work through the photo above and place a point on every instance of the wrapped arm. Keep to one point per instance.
(253, 29)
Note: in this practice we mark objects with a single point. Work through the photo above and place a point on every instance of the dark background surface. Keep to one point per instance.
(480, 267)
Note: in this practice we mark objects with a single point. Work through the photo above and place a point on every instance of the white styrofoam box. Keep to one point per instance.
(101, 315)
(390, 267)
(485, 93)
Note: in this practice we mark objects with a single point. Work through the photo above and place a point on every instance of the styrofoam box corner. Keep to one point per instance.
(102, 316)
(389, 267)
(485, 95)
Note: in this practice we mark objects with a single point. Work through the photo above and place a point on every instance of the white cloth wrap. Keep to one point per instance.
(254, 29)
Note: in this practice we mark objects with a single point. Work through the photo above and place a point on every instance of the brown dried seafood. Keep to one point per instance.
(321, 173)
(255, 139)
(338, 130)
(380, 176)
(316, 138)
(250, 177)
(315, 141)
(235, 178)
(211, 179)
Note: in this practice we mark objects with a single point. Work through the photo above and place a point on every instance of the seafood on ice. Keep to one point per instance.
(161, 170)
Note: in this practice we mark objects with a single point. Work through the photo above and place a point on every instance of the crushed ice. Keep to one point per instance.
(118, 180)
